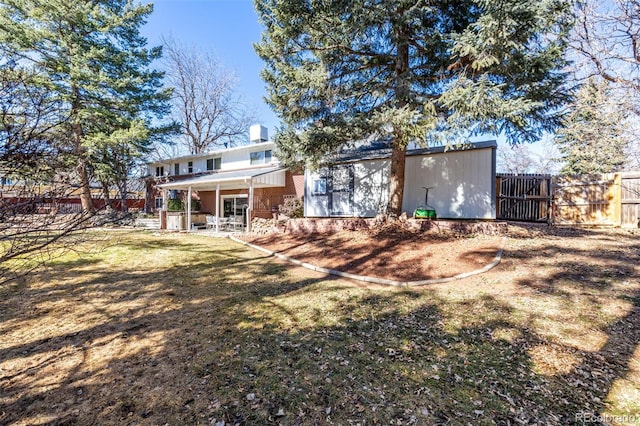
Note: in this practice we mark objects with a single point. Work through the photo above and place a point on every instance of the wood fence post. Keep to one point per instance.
(616, 199)
(498, 180)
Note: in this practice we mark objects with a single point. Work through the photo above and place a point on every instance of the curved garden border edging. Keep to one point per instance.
(384, 281)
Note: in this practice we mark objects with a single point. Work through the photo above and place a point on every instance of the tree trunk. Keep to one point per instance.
(122, 187)
(81, 166)
(106, 196)
(399, 147)
(396, 178)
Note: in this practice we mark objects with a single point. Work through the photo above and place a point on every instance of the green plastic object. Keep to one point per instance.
(424, 214)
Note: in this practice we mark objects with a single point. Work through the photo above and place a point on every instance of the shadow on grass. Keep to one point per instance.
(250, 341)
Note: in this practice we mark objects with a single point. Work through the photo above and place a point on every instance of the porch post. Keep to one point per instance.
(218, 208)
(250, 208)
(163, 210)
(189, 210)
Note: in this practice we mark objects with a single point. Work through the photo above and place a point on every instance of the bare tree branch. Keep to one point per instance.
(211, 113)
(606, 37)
(34, 177)
(605, 44)
(541, 157)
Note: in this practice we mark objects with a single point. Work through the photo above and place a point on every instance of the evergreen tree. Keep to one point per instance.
(592, 139)
(114, 158)
(341, 71)
(29, 119)
(92, 60)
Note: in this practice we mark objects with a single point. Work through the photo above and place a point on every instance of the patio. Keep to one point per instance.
(222, 223)
(228, 195)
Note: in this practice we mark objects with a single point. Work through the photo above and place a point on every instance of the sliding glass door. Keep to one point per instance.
(234, 206)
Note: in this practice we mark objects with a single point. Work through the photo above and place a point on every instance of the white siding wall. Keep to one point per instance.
(199, 166)
(370, 187)
(240, 159)
(235, 160)
(315, 205)
(152, 169)
(232, 159)
(270, 179)
(463, 184)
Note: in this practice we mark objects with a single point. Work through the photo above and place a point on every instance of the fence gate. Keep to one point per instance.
(630, 200)
(524, 197)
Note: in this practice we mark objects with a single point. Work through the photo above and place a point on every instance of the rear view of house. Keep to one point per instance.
(242, 183)
(237, 184)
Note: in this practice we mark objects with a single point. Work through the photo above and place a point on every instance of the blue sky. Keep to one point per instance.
(228, 29)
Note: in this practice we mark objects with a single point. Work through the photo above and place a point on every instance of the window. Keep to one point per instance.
(214, 163)
(260, 157)
(190, 167)
(158, 203)
(176, 169)
(256, 157)
(320, 186)
(159, 171)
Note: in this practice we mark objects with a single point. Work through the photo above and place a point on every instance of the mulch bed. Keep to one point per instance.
(390, 255)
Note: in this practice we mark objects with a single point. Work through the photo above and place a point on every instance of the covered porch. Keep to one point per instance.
(227, 198)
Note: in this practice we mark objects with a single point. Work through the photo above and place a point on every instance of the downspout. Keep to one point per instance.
(217, 208)
(250, 208)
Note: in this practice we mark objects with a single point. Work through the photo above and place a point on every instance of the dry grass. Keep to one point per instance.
(155, 329)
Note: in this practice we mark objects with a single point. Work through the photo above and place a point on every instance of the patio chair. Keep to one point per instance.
(211, 221)
(236, 222)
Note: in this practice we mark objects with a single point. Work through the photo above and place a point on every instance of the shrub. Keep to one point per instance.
(292, 207)
(175, 205)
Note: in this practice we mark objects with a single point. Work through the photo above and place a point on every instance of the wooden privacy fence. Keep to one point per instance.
(523, 197)
(607, 199)
(630, 200)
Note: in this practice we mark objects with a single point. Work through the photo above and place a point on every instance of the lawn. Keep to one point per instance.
(143, 328)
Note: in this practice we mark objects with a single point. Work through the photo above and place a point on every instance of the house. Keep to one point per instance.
(461, 181)
(248, 181)
(238, 184)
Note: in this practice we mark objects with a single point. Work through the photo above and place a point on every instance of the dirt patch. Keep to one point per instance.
(397, 256)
